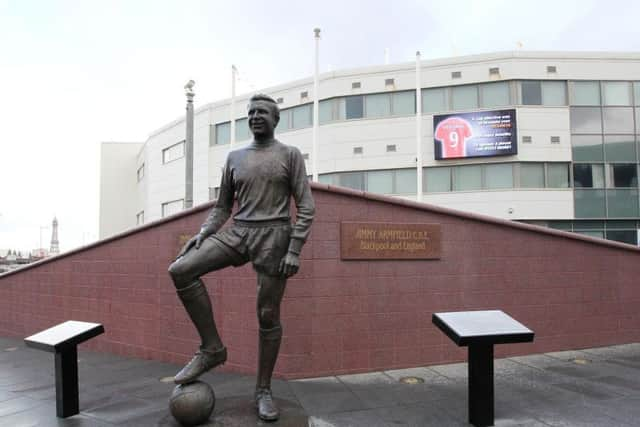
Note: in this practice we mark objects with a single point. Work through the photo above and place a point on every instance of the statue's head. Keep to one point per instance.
(263, 116)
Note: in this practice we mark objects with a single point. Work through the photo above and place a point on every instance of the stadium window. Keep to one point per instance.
(377, 105)
(437, 180)
(467, 178)
(554, 93)
(172, 207)
(587, 175)
(354, 180)
(616, 93)
(498, 176)
(622, 175)
(327, 178)
(285, 120)
(140, 172)
(557, 175)
(403, 103)
(354, 107)
(531, 91)
(301, 116)
(622, 203)
(434, 100)
(325, 111)
(140, 218)
(586, 120)
(380, 181)
(585, 93)
(619, 148)
(494, 94)
(464, 97)
(589, 203)
(629, 237)
(223, 133)
(242, 130)
(617, 119)
(532, 175)
(587, 148)
(405, 181)
(172, 153)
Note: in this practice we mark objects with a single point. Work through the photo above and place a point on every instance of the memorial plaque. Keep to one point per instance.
(378, 240)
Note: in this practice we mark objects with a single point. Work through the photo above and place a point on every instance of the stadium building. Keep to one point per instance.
(550, 138)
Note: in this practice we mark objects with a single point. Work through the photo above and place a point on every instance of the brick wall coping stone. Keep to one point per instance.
(352, 193)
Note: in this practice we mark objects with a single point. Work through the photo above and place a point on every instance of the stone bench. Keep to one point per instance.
(480, 330)
(63, 340)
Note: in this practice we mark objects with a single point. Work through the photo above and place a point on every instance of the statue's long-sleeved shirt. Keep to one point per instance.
(264, 176)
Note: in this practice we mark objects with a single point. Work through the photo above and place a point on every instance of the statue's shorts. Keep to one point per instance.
(263, 243)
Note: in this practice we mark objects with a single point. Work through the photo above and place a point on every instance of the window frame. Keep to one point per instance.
(166, 150)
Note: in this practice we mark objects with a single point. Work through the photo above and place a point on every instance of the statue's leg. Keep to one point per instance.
(186, 272)
(270, 293)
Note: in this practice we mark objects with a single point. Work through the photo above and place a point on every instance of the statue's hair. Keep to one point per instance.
(267, 98)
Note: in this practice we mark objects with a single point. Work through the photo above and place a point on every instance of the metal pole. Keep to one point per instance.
(314, 154)
(232, 108)
(418, 129)
(188, 149)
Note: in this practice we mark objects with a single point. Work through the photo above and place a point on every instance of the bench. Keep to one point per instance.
(63, 340)
(480, 330)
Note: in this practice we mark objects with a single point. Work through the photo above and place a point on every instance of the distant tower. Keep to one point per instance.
(55, 248)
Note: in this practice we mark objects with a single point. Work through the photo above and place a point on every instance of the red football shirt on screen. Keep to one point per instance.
(452, 134)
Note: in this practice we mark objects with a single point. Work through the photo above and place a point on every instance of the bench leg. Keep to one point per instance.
(481, 385)
(67, 383)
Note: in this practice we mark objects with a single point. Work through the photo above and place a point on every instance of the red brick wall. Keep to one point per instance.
(341, 316)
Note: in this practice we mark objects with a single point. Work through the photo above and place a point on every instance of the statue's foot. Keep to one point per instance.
(203, 361)
(267, 409)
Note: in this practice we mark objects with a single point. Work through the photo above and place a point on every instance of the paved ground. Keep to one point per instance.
(594, 387)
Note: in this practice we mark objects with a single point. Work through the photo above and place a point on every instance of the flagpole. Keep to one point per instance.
(418, 129)
(314, 149)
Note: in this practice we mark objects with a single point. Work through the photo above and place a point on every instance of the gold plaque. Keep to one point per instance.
(377, 240)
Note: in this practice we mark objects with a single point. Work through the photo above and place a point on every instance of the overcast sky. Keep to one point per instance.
(74, 73)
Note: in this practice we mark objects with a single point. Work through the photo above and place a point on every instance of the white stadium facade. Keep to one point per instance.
(550, 138)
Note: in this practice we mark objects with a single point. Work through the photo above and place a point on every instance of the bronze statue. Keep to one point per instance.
(263, 177)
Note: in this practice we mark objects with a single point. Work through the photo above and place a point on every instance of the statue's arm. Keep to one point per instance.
(301, 192)
(218, 215)
(221, 211)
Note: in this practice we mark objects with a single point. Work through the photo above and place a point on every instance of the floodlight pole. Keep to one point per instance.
(188, 149)
(418, 129)
(314, 148)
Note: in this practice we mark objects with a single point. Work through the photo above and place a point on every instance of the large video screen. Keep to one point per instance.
(479, 134)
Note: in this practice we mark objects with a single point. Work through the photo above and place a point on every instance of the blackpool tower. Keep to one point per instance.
(55, 248)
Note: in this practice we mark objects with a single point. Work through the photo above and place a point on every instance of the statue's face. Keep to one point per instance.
(262, 118)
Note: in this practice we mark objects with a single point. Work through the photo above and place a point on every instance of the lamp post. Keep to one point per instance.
(419, 153)
(314, 146)
(188, 148)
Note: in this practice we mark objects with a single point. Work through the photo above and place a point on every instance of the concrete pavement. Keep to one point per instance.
(592, 387)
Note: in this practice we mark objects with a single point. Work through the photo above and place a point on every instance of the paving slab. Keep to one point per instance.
(588, 387)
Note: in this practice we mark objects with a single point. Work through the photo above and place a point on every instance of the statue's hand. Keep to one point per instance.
(200, 238)
(190, 243)
(289, 265)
